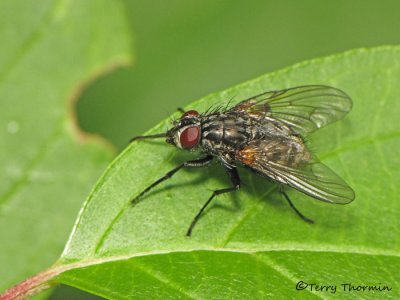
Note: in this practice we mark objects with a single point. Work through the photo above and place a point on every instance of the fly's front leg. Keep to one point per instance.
(235, 179)
(189, 164)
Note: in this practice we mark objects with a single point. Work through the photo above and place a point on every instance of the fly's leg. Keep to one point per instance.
(235, 179)
(181, 110)
(189, 164)
(304, 218)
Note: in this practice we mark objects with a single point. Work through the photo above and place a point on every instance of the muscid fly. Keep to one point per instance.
(266, 134)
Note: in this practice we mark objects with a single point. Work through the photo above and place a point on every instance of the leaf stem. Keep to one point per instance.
(31, 286)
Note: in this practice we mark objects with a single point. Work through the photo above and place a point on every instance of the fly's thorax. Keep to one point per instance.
(221, 130)
(224, 133)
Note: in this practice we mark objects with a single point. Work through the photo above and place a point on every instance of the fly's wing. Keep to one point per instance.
(290, 163)
(304, 109)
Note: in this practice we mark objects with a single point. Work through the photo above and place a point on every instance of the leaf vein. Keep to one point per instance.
(164, 280)
(42, 150)
(351, 145)
(28, 44)
(245, 216)
(268, 262)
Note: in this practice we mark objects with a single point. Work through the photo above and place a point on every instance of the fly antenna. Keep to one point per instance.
(144, 137)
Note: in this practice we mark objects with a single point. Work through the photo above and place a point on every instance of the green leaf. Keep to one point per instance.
(50, 50)
(251, 244)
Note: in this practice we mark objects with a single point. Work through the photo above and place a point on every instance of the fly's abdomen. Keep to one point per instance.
(289, 151)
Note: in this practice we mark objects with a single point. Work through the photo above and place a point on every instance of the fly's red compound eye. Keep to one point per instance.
(190, 137)
(190, 113)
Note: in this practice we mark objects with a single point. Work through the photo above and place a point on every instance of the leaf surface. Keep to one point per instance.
(50, 50)
(250, 244)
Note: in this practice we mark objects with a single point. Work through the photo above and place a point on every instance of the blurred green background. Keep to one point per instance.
(187, 49)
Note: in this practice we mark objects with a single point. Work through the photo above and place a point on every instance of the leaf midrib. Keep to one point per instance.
(278, 247)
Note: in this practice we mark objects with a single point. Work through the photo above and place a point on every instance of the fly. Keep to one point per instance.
(266, 134)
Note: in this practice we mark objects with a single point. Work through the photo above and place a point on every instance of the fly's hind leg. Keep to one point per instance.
(304, 218)
(235, 179)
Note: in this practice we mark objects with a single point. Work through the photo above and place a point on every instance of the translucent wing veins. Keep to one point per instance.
(289, 162)
(304, 109)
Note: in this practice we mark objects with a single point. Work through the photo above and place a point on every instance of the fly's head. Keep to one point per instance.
(186, 133)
